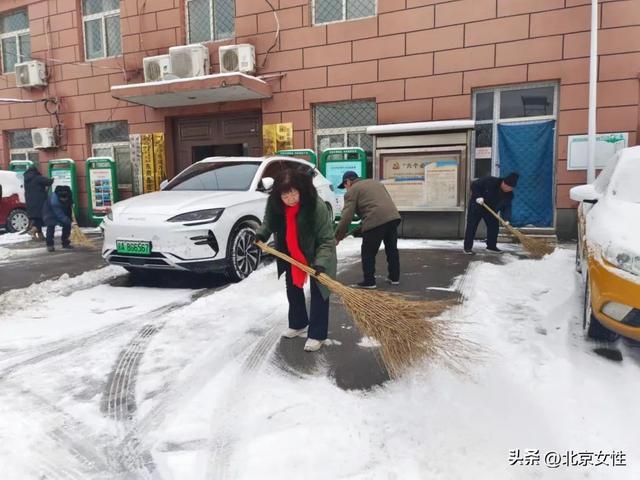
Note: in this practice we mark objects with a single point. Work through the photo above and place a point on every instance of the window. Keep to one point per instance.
(15, 39)
(344, 125)
(21, 146)
(501, 105)
(214, 176)
(111, 139)
(101, 19)
(210, 20)
(325, 11)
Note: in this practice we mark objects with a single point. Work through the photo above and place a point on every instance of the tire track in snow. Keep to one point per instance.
(75, 457)
(224, 434)
(61, 347)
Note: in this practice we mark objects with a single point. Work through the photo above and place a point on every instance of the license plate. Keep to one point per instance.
(133, 247)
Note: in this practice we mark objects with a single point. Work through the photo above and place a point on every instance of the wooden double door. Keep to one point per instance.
(229, 134)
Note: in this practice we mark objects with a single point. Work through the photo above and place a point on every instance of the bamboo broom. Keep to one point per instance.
(537, 248)
(77, 237)
(407, 329)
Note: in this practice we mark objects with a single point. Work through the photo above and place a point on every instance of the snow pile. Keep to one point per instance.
(41, 293)
(10, 238)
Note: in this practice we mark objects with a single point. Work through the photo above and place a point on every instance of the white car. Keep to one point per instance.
(608, 254)
(203, 220)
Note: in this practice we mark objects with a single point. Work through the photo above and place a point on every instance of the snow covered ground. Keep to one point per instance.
(102, 381)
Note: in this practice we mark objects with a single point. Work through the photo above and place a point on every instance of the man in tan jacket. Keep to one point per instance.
(370, 200)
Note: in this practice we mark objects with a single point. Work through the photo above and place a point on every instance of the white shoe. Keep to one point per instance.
(313, 345)
(393, 282)
(293, 333)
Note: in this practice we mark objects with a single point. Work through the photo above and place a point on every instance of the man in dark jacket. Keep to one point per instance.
(370, 200)
(36, 187)
(496, 193)
(57, 211)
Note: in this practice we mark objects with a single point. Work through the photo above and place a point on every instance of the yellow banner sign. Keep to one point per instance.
(276, 137)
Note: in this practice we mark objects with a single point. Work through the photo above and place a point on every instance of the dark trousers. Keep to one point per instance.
(476, 213)
(318, 321)
(66, 232)
(371, 240)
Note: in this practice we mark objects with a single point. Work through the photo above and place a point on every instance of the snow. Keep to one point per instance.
(11, 238)
(415, 127)
(212, 402)
(185, 80)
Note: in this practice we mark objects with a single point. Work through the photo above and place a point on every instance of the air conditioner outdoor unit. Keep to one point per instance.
(237, 58)
(31, 74)
(43, 138)
(156, 68)
(189, 60)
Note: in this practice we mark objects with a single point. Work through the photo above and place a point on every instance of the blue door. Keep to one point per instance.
(527, 148)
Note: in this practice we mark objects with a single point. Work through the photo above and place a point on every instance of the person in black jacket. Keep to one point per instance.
(496, 193)
(36, 187)
(57, 211)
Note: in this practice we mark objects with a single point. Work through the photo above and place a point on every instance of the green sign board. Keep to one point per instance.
(63, 172)
(305, 152)
(334, 162)
(20, 166)
(102, 186)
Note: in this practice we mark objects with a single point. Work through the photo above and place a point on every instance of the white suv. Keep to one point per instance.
(203, 220)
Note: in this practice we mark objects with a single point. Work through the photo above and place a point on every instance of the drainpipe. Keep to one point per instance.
(593, 86)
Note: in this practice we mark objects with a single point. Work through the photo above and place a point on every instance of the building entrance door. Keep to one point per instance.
(201, 152)
(231, 134)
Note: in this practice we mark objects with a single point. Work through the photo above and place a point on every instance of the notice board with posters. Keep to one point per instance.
(276, 137)
(429, 180)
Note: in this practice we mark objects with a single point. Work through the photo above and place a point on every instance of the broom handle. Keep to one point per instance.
(492, 212)
(266, 248)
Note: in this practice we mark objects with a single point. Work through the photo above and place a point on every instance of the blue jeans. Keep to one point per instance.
(318, 321)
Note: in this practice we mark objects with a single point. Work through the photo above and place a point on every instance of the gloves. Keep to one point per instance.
(318, 269)
(479, 200)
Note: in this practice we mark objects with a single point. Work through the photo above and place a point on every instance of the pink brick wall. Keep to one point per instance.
(418, 59)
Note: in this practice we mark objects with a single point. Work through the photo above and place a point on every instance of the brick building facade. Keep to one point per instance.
(389, 61)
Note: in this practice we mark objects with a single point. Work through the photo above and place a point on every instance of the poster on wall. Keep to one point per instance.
(422, 181)
(441, 183)
(136, 164)
(607, 145)
(276, 137)
(148, 167)
(100, 180)
(159, 159)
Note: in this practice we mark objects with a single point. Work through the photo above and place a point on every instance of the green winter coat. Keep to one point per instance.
(315, 236)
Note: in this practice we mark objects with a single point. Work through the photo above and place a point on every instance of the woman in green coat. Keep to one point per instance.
(303, 229)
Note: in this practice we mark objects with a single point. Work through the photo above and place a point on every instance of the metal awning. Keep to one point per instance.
(223, 87)
(419, 127)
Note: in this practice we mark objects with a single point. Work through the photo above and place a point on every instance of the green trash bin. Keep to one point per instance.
(63, 172)
(102, 186)
(306, 153)
(334, 162)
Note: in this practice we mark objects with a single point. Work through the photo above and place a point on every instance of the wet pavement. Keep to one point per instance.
(30, 262)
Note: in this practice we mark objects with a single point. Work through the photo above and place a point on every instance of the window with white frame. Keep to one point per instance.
(210, 20)
(101, 21)
(15, 40)
(344, 124)
(111, 139)
(21, 146)
(495, 106)
(325, 11)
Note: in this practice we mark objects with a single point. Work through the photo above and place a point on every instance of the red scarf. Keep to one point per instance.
(291, 213)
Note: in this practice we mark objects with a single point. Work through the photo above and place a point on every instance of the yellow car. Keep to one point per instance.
(608, 254)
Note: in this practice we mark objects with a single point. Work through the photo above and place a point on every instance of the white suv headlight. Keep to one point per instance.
(198, 217)
(623, 259)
